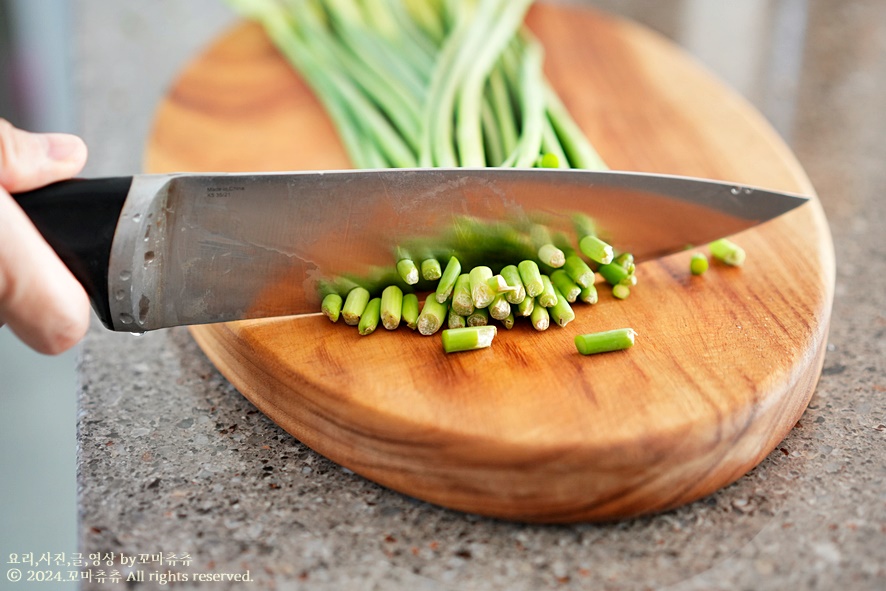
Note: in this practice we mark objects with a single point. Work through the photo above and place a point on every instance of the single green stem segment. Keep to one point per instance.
(728, 252)
(508, 321)
(407, 271)
(546, 252)
(547, 297)
(432, 316)
(467, 339)
(369, 320)
(531, 276)
(626, 260)
(547, 160)
(391, 307)
(479, 317)
(698, 264)
(596, 250)
(499, 308)
(447, 280)
(410, 310)
(579, 271)
(603, 342)
(354, 305)
(431, 269)
(498, 284)
(456, 321)
(512, 277)
(331, 306)
(481, 293)
(621, 291)
(462, 302)
(588, 294)
(525, 307)
(561, 312)
(565, 285)
(614, 274)
(551, 256)
(540, 318)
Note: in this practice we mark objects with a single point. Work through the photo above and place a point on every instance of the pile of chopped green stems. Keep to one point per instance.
(447, 83)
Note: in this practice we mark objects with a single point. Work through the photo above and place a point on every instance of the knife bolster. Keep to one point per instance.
(78, 218)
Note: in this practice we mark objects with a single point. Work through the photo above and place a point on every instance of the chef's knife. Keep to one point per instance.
(156, 251)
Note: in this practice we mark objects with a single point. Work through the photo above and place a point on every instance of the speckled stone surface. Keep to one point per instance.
(173, 459)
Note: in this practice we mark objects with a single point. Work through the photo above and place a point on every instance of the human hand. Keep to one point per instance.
(40, 300)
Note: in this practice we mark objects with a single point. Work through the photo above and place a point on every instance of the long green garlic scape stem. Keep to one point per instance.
(494, 40)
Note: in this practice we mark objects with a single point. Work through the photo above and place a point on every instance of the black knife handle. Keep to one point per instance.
(78, 218)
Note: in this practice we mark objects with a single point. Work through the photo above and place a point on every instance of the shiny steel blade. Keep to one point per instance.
(193, 248)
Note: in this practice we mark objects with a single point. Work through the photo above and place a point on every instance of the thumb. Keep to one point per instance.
(31, 160)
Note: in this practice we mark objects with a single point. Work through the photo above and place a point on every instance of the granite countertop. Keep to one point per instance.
(173, 461)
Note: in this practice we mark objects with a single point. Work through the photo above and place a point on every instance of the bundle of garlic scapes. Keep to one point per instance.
(422, 83)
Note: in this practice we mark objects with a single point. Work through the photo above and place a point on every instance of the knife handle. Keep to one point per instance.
(78, 218)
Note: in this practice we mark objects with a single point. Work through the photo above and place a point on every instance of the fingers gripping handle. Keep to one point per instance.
(78, 219)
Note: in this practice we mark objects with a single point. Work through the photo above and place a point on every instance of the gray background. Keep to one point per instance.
(57, 74)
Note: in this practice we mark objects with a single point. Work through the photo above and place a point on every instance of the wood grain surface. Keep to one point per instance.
(724, 364)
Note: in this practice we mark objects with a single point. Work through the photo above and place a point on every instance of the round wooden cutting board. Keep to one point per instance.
(723, 366)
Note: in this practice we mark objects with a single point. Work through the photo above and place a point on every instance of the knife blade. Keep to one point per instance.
(162, 250)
